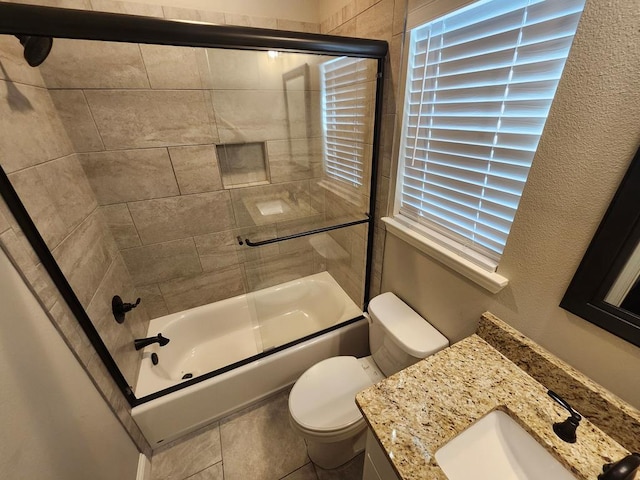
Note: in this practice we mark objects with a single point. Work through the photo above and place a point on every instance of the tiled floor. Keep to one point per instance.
(254, 444)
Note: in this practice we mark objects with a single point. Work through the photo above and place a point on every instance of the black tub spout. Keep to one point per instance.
(140, 343)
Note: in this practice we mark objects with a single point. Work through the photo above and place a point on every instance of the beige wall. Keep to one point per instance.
(145, 121)
(55, 422)
(326, 8)
(590, 137)
(296, 15)
(296, 10)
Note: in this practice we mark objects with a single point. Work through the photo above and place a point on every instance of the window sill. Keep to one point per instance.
(490, 281)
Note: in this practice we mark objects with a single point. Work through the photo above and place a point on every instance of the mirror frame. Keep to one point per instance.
(611, 246)
(299, 72)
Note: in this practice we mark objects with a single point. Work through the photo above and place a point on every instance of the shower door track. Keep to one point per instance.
(302, 234)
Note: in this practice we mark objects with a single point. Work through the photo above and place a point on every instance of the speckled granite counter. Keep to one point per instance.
(416, 411)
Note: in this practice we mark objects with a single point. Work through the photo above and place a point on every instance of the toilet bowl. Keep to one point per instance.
(322, 405)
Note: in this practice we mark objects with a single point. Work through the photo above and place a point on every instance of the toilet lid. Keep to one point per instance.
(324, 397)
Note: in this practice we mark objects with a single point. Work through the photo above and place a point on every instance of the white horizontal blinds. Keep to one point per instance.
(346, 96)
(480, 83)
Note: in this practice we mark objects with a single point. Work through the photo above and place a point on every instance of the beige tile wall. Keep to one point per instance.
(40, 161)
(194, 165)
(382, 20)
(146, 130)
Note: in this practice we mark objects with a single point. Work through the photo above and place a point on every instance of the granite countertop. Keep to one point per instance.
(416, 411)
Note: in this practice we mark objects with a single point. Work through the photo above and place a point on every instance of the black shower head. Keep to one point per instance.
(36, 49)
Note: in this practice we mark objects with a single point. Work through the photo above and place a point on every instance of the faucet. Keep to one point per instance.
(622, 469)
(566, 430)
(140, 343)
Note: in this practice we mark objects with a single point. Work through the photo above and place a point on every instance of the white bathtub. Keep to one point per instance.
(210, 337)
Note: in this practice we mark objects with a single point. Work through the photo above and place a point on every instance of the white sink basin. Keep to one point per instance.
(272, 207)
(497, 448)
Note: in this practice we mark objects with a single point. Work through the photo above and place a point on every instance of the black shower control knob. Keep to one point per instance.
(119, 308)
(127, 307)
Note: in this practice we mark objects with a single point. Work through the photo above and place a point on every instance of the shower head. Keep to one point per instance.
(36, 49)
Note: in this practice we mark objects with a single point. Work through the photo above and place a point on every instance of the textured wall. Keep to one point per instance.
(590, 137)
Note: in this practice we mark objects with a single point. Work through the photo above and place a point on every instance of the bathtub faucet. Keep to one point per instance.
(140, 343)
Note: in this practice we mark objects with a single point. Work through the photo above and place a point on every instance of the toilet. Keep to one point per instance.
(322, 406)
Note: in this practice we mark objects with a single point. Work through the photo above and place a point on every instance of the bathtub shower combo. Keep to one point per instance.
(201, 195)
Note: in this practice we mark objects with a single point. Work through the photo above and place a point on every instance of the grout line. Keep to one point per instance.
(200, 471)
(44, 162)
(155, 147)
(135, 227)
(144, 65)
(93, 212)
(102, 281)
(195, 247)
(173, 169)
(93, 119)
(22, 84)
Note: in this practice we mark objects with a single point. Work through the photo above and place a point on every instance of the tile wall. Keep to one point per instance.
(382, 20)
(146, 120)
(40, 160)
(76, 128)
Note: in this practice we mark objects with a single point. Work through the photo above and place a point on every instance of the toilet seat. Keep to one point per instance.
(322, 401)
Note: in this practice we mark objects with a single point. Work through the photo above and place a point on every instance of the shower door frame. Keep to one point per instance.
(22, 19)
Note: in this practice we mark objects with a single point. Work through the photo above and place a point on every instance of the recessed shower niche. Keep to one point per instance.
(243, 164)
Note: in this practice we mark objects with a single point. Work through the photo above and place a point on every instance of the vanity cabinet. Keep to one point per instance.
(376, 463)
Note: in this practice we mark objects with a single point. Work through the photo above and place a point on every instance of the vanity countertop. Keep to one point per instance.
(416, 411)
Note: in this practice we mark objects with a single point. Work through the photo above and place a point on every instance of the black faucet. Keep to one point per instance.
(623, 469)
(120, 308)
(566, 430)
(140, 343)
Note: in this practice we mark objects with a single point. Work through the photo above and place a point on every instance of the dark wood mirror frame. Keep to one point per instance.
(614, 241)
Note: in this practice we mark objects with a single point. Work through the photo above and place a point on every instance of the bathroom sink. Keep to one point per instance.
(273, 207)
(496, 447)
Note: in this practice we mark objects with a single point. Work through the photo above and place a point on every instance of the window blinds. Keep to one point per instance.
(345, 108)
(480, 83)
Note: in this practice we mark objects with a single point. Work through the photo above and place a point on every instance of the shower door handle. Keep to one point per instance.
(302, 234)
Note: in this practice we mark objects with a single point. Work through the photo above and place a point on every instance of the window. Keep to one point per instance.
(479, 86)
(346, 103)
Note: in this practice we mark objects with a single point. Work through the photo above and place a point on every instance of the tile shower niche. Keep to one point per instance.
(243, 164)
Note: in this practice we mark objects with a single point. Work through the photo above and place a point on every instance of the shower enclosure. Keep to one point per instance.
(191, 166)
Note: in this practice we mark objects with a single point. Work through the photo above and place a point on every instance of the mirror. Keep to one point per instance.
(605, 289)
(296, 86)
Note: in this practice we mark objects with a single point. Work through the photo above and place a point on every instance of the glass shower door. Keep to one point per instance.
(306, 226)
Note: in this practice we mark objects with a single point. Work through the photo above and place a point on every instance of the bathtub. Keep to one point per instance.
(207, 338)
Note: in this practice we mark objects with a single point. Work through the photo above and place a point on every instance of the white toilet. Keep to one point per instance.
(322, 406)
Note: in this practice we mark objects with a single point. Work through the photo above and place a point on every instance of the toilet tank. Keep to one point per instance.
(398, 336)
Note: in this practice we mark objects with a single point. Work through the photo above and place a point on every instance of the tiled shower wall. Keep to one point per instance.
(39, 159)
(145, 120)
